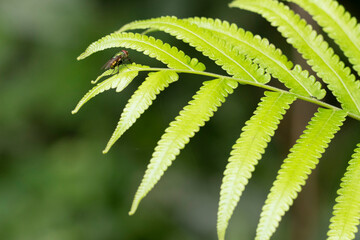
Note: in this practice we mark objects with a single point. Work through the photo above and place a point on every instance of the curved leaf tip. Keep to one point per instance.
(119, 81)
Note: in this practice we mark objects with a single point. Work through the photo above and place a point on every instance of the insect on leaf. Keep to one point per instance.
(119, 81)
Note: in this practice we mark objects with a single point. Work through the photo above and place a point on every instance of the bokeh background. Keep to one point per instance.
(55, 183)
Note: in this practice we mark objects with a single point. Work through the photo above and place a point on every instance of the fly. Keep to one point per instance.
(117, 60)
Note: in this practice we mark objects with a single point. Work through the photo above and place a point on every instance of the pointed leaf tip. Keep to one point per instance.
(76, 109)
(108, 147)
(134, 206)
(80, 57)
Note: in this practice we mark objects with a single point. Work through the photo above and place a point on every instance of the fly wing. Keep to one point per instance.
(108, 64)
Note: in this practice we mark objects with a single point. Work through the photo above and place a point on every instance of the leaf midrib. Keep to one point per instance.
(212, 45)
(320, 56)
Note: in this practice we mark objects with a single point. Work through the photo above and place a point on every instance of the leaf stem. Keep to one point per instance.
(256, 84)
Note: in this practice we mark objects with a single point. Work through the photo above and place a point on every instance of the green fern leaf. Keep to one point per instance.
(191, 118)
(222, 53)
(105, 74)
(303, 157)
(119, 81)
(265, 54)
(247, 152)
(347, 209)
(155, 48)
(339, 24)
(313, 48)
(140, 101)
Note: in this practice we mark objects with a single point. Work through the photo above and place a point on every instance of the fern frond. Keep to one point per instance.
(313, 48)
(140, 101)
(339, 24)
(222, 53)
(191, 118)
(150, 46)
(119, 81)
(303, 157)
(265, 54)
(247, 152)
(347, 209)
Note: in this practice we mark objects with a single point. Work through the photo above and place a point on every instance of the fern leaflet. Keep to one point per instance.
(216, 49)
(155, 48)
(247, 152)
(339, 24)
(191, 118)
(313, 48)
(118, 81)
(347, 209)
(265, 54)
(140, 101)
(303, 157)
(105, 74)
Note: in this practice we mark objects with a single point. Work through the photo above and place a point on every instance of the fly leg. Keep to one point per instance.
(118, 66)
(129, 60)
(114, 71)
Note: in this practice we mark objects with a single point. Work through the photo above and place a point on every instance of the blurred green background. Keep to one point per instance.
(55, 184)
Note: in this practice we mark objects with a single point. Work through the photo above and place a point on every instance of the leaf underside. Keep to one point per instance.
(248, 59)
(119, 81)
(223, 53)
(313, 48)
(206, 101)
(150, 46)
(248, 151)
(265, 54)
(347, 208)
(140, 101)
(303, 157)
(338, 24)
